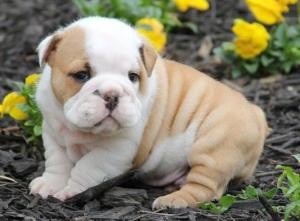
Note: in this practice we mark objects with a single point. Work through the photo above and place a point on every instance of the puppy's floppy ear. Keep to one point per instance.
(148, 56)
(47, 46)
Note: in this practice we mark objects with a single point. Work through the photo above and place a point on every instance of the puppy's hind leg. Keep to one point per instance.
(215, 159)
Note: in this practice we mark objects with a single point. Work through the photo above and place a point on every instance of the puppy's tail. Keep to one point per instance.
(262, 120)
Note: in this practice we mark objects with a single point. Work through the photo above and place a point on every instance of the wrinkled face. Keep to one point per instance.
(99, 78)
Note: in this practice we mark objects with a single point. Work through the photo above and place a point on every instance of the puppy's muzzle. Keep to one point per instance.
(111, 98)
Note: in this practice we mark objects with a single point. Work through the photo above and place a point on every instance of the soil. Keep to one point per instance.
(24, 23)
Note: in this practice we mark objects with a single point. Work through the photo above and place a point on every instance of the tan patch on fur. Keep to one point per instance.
(143, 84)
(173, 104)
(51, 47)
(229, 138)
(147, 63)
(67, 56)
(149, 57)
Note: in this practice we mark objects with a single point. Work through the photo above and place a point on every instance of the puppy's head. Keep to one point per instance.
(100, 71)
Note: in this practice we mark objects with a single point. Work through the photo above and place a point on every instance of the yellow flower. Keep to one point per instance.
(153, 31)
(251, 38)
(267, 12)
(10, 106)
(184, 5)
(32, 79)
(284, 4)
(1, 111)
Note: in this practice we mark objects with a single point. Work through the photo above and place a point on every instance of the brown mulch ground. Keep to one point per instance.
(24, 23)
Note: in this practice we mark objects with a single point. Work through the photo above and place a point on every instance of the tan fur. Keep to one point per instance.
(149, 57)
(148, 60)
(230, 136)
(67, 55)
(143, 84)
(52, 47)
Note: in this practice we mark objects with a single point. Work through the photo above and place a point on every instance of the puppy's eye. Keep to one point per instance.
(81, 76)
(133, 77)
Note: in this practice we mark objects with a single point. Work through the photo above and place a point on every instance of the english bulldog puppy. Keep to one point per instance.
(111, 103)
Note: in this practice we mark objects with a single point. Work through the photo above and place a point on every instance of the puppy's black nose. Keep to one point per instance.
(112, 100)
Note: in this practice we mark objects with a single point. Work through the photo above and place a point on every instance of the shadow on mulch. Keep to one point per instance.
(24, 23)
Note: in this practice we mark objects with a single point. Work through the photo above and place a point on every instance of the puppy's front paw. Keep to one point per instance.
(47, 185)
(172, 200)
(42, 186)
(67, 193)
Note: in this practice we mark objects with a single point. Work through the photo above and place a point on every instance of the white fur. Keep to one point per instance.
(76, 161)
(85, 109)
(168, 160)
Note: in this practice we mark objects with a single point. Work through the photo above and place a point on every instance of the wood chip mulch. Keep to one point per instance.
(24, 23)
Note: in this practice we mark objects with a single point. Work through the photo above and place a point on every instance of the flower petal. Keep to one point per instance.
(9, 101)
(267, 12)
(251, 38)
(32, 79)
(201, 5)
(182, 5)
(153, 31)
(17, 114)
(1, 111)
(10, 105)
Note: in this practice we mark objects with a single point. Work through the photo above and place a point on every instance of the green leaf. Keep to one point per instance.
(19, 85)
(228, 46)
(236, 72)
(287, 180)
(251, 67)
(171, 20)
(209, 206)
(249, 193)
(293, 189)
(287, 66)
(280, 33)
(289, 183)
(297, 157)
(37, 130)
(30, 139)
(278, 44)
(295, 52)
(293, 209)
(293, 177)
(24, 107)
(270, 193)
(190, 25)
(266, 61)
(226, 202)
(275, 53)
(292, 31)
(29, 123)
(219, 52)
(222, 206)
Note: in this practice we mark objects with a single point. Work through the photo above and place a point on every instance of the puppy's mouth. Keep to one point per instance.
(99, 124)
(109, 117)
